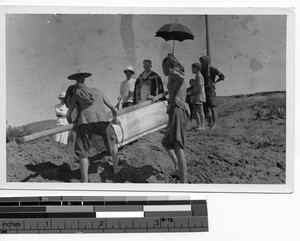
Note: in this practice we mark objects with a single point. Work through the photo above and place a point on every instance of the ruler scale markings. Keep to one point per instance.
(79, 214)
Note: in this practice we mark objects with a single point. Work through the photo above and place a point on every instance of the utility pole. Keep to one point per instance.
(207, 36)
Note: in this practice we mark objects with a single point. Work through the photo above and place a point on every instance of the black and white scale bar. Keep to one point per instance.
(166, 224)
(112, 214)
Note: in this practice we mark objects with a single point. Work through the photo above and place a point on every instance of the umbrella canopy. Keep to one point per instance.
(174, 31)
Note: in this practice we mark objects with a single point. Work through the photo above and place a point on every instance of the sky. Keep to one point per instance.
(43, 49)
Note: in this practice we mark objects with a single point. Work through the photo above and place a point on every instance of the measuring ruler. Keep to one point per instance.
(102, 214)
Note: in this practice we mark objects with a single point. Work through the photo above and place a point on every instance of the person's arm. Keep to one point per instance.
(67, 98)
(201, 82)
(120, 98)
(161, 88)
(71, 108)
(112, 108)
(220, 75)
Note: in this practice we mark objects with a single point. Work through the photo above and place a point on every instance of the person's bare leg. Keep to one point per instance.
(181, 162)
(209, 117)
(175, 161)
(84, 168)
(202, 116)
(197, 115)
(114, 155)
(214, 117)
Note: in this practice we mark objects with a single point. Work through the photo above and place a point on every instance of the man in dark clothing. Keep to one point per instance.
(209, 74)
(148, 84)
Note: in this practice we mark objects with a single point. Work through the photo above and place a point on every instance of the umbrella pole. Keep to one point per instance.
(207, 36)
(173, 45)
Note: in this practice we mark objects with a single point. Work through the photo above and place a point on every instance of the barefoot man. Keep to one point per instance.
(178, 115)
(92, 119)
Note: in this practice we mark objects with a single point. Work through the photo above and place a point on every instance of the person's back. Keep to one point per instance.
(91, 110)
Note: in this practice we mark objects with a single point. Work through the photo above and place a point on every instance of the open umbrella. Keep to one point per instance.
(174, 31)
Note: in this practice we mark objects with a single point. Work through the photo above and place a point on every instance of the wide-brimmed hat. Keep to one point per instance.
(129, 68)
(61, 95)
(79, 74)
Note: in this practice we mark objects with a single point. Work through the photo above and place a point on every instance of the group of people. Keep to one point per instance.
(145, 87)
(201, 95)
(86, 106)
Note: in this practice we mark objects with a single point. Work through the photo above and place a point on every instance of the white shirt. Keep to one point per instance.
(61, 109)
(126, 86)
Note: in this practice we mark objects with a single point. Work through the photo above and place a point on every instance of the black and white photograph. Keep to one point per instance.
(147, 98)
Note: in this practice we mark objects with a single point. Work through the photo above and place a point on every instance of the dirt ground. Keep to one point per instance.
(247, 147)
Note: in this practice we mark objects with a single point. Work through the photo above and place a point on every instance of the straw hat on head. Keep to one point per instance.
(79, 74)
(129, 68)
(61, 95)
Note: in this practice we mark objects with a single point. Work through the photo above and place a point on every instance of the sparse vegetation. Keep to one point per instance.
(270, 109)
(265, 139)
(12, 133)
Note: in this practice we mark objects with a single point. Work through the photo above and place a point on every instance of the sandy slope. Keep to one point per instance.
(243, 149)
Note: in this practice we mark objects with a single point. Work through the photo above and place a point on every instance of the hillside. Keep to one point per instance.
(247, 147)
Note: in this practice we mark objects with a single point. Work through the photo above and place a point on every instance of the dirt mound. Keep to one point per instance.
(247, 147)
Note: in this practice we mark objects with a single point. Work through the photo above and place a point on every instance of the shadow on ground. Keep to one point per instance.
(128, 174)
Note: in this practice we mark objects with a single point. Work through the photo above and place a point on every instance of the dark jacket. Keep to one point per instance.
(156, 86)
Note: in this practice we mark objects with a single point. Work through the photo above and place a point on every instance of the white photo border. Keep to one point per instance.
(220, 188)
